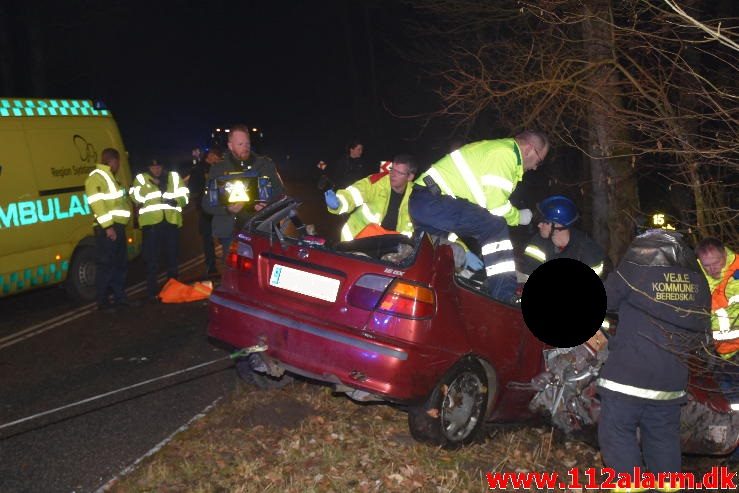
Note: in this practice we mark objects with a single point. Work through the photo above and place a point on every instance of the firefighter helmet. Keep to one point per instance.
(558, 209)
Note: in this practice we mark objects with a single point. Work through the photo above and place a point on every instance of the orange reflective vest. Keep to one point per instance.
(725, 308)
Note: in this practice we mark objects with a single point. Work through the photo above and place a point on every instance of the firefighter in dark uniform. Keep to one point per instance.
(663, 305)
(558, 239)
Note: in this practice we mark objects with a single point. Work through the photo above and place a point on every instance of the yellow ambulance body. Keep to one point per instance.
(47, 149)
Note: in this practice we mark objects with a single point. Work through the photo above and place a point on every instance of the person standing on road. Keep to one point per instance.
(663, 305)
(198, 181)
(161, 198)
(239, 158)
(467, 193)
(112, 210)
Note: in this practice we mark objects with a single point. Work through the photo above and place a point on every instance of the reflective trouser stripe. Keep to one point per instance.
(496, 246)
(655, 395)
(506, 266)
(498, 257)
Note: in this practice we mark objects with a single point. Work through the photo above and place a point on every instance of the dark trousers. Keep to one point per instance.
(442, 214)
(160, 239)
(726, 373)
(111, 265)
(225, 247)
(659, 428)
(205, 226)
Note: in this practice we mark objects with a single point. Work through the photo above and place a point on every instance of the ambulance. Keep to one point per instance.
(47, 149)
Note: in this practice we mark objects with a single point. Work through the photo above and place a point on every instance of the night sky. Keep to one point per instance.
(172, 70)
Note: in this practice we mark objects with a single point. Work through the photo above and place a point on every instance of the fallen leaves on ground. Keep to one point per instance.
(304, 438)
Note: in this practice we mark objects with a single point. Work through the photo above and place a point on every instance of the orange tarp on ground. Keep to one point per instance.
(176, 292)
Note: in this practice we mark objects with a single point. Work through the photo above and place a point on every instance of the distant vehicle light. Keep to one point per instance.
(99, 105)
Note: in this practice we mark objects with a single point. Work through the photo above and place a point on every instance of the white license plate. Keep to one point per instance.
(298, 281)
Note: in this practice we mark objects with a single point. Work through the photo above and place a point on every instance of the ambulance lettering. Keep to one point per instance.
(30, 212)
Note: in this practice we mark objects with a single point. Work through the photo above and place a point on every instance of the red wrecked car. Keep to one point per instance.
(392, 318)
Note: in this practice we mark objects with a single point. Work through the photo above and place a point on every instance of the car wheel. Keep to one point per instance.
(248, 369)
(454, 414)
(80, 283)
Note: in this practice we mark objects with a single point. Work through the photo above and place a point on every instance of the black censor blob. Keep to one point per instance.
(563, 302)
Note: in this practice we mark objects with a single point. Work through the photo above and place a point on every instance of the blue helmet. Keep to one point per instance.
(558, 209)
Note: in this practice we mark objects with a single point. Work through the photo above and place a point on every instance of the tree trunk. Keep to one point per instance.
(615, 197)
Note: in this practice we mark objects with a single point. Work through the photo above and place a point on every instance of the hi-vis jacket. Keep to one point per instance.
(107, 198)
(725, 307)
(484, 173)
(367, 200)
(152, 201)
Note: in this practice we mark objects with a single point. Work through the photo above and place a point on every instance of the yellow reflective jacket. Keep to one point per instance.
(484, 173)
(367, 201)
(725, 307)
(153, 207)
(107, 197)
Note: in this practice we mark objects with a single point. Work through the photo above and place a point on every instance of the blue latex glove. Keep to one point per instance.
(736, 274)
(332, 201)
(473, 262)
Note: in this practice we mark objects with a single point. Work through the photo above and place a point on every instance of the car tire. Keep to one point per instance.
(80, 283)
(245, 367)
(454, 413)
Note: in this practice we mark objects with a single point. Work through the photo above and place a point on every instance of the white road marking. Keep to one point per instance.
(46, 325)
(131, 467)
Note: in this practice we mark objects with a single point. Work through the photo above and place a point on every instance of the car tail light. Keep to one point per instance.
(368, 290)
(240, 256)
(408, 299)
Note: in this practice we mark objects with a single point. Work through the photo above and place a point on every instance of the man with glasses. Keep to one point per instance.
(467, 193)
(376, 203)
(558, 239)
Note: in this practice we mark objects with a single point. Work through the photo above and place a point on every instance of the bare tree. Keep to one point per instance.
(631, 84)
